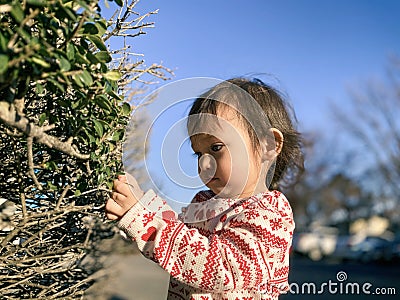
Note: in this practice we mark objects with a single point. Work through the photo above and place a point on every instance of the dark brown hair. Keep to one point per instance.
(240, 94)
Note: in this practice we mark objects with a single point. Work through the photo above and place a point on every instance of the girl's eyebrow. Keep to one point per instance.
(212, 137)
(205, 139)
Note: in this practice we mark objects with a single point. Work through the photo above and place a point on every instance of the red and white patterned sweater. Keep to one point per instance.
(238, 249)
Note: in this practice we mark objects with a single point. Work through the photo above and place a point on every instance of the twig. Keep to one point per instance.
(88, 192)
(23, 205)
(29, 142)
(28, 18)
(9, 116)
(64, 192)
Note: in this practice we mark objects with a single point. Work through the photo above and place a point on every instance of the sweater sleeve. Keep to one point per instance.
(249, 251)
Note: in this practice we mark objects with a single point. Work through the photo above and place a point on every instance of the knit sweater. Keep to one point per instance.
(218, 248)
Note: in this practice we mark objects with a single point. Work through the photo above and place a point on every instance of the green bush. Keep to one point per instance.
(63, 112)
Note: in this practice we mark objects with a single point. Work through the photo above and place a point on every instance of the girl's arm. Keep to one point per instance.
(125, 195)
(249, 252)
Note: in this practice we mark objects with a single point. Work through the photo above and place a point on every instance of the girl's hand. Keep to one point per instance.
(122, 197)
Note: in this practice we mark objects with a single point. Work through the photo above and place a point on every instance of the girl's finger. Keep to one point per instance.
(119, 198)
(122, 188)
(136, 190)
(113, 208)
(122, 178)
(111, 217)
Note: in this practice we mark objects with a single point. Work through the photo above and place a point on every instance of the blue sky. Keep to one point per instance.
(312, 50)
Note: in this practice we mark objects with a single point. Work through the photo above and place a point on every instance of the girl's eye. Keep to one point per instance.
(216, 148)
(197, 154)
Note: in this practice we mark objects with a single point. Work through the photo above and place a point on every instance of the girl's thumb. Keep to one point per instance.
(122, 178)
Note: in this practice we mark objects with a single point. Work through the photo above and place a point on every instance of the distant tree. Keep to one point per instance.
(372, 120)
(301, 194)
(325, 194)
(64, 97)
(336, 201)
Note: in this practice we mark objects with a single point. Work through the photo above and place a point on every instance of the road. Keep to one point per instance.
(136, 278)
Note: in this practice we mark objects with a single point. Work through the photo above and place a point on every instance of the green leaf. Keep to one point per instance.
(126, 108)
(103, 68)
(103, 102)
(103, 56)
(118, 135)
(100, 177)
(93, 59)
(65, 78)
(93, 156)
(114, 95)
(86, 78)
(3, 43)
(67, 13)
(52, 186)
(101, 27)
(70, 51)
(91, 137)
(119, 2)
(89, 28)
(51, 165)
(110, 185)
(3, 63)
(57, 84)
(75, 104)
(82, 186)
(98, 42)
(41, 62)
(113, 75)
(84, 46)
(77, 193)
(81, 59)
(17, 13)
(64, 64)
(98, 127)
(36, 2)
(77, 80)
(23, 33)
(83, 4)
(39, 88)
(42, 118)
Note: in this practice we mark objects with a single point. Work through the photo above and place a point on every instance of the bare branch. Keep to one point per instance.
(89, 192)
(29, 143)
(10, 117)
(64, 192)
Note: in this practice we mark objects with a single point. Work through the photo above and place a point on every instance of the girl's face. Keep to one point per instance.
(227, 162)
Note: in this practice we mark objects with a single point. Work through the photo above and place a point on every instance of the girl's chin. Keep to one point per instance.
(215, 188)
(221, 192)
(231, 194)
(213, 184)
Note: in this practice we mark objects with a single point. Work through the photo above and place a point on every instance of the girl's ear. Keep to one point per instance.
(278, 140)
(270, 148)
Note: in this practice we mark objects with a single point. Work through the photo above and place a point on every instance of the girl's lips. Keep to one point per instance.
(207, 180)
(212, 179)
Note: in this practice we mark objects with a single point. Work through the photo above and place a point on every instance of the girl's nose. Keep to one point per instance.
(207, 164)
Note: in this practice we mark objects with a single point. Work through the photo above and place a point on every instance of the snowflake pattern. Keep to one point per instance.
(189, 275)
(147, 218)
(251, 214)
(236, 254)
(275, 223)
(197, 248)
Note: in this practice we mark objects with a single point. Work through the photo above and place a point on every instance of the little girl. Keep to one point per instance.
(233, 240)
